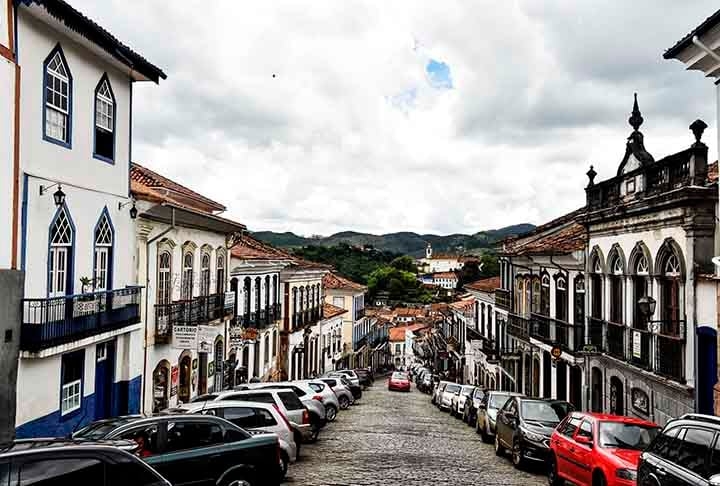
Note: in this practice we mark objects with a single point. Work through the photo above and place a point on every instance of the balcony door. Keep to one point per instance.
(62, 237)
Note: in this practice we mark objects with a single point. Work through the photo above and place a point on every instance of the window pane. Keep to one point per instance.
(62, 472)
(188, 435)
(694, 449)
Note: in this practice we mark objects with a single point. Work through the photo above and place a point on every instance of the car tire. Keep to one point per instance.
(315, 433)
(553, 478)
(599, 479)
(330, 413)
(517, 455)
(236, 481)
(499, 449)
(344, 402)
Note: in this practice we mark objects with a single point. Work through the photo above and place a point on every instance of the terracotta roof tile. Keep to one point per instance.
(330, 310)
(485, 285)
(448, 275)
(251, 249)
(335, 281)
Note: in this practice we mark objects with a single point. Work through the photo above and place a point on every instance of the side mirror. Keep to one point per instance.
(714, 480)
(587, 441)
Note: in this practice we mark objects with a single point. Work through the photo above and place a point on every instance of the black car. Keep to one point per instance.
(686, 452)
(70, 461)
(524, 426)
(487, 410)
(366, 379)
(196, 449)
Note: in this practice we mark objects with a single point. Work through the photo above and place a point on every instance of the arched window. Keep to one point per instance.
(640, 271)
(670, 280)
(258, 290)
(60, 256)
(579, 307)
(220, 274)
(104, 121)
(536, 295)
(103, 257)
(617, 271)
(164, 269)
(527, 305)
(187, 276)
(267, 347)
(205, 274)
(57, 116)
(275, 289)
(596, 284)
(545, 295)
(268, 291)
(561, 299)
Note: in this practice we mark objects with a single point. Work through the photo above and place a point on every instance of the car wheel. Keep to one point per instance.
(517, 455)
(315, 433)
(236, 481)
(499, 450)
(599, 479)
(330, 413)
(344, 402)
(553, 477)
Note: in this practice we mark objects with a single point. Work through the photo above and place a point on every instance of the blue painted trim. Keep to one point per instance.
(70, 270)
(80, 410)
(111, 256)
(68, 144)
(104, 78)
(23, 219)
(130, 134)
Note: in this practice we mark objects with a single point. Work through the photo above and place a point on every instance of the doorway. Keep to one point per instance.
(219, 366)
(597, 389)
(185, 375)
(161, 386)
(561, 380)
(104, 377)
(547, 375)
(576, 387)
(536, 377)
(202, 373)
(617, 396)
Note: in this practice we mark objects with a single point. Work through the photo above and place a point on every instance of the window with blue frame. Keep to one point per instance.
(57, 117)
(60, 254)
(71, 381)
(103, 258)
(104, 121)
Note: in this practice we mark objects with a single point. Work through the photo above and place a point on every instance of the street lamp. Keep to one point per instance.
(647, 305)
(58, 196)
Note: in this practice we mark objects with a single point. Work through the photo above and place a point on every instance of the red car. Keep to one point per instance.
(399, 381)
(598, 450)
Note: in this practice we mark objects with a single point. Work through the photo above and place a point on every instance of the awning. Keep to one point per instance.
(191, 218)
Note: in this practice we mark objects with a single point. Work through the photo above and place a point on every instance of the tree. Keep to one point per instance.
(490, 266)
(404, 263)
(470, 272)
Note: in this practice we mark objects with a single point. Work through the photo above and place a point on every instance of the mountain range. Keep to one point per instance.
(407, 243)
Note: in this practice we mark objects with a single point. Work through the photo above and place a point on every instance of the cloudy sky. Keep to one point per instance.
(322, 116)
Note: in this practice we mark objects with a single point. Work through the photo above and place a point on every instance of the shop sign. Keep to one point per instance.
(637, 345)
(174, 380)
(640, 402)
(211, 368)
(206, 338)
(556, 352)
(229, 299)
(184, 337)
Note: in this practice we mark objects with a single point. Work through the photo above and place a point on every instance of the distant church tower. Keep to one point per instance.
(428, 251)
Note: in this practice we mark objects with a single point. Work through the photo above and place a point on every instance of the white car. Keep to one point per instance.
(351, 375)
(303, 389)
(445, 400)
(459, 401)
(437, 391)
(253, 416)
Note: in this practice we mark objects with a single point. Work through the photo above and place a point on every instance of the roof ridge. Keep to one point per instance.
(160, 179)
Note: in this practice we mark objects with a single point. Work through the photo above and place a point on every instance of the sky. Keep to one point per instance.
(435, 117)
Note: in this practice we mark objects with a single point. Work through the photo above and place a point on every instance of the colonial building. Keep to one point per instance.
(486, 370)
(81, 324)
(182, 258)
(331, 338)
(255, 279)
(699, 50)
(441, 262)
(350, 296)
(651, 234)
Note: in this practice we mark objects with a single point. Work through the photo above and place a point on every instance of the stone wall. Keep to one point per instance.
(11, 293)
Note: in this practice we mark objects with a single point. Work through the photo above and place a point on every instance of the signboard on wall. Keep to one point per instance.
(184, 337)
(637, 344)
(206, 338)
(174, 379)
(229, 299)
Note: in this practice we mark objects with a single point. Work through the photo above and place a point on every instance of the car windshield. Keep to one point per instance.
(452, 388)
(497, 400)
(468, 391)
(399, 376)
(626, 436)
(543, 411)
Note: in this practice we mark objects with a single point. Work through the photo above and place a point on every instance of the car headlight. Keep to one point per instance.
(532, 436)
(628, 474)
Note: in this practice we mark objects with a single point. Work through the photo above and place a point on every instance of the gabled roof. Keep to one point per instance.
(149, 185)
(87, 28)
(335, 281)
(560, 236)
(700, 30)
(485, 284)
(248, 248)
(330, 311)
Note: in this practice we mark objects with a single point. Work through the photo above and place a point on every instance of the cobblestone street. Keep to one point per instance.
(393, 438)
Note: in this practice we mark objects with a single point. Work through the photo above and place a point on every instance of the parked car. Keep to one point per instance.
(425, 382)
(469, 415)
(437, 392)
(251, 416)
(351, 375)
(364, 377)
(285, 399)
(445, 399)
(487, 412)
(685, 452)
(355, 389)
(596, 449)
(524, 426)
(459, 401)
(344, 395)
(76, 461)
(312, 400)
(399, 382)
(196, 449)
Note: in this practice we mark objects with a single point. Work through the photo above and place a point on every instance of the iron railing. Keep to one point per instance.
(570, 337)
(596, 329)
(616, 334)
(197, 311)
(670, 357)
(503, 299)
(60, 320)
(518, 326)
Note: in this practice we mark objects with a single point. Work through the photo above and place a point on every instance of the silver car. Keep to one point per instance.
(325, 396)
(487, 412)
(459, 401)
(437, 391)
(351, 375)
(344, 395)
(306, 395)
(451, 391)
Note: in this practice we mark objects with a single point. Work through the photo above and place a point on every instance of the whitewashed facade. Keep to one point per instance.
(81, 319)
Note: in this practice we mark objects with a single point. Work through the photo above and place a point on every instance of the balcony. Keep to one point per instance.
(569, 337)
(503, 299)
(61, 320)
(596, 328)
(616, 339)
(197, 311)
(359, 314)
(518, 327)
(640, 340)
(670, 349)
(307, 317)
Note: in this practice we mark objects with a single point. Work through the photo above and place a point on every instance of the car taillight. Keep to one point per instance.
(285, 419)
(306, 417)
(319, 398)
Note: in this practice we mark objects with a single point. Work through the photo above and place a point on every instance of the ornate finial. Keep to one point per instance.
(636, 118)
(698, 127)
(591, 175)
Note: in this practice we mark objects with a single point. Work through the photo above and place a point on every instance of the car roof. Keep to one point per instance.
(696, 419)
(606, 417)
(26, 446)
(253, 389)
(199, 406)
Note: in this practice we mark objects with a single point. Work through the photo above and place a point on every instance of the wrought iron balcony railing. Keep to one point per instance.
(570, 337)
(596, 329)
(60, 320)
(197, 311)
(503, 299)
(616, 342)
(518, 326)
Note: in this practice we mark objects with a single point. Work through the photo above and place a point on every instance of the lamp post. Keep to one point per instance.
(647, 306)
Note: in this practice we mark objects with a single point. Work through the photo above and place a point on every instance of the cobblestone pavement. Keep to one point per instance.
(394, 438)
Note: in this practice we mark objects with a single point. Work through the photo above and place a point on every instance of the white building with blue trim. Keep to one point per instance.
(81, 325)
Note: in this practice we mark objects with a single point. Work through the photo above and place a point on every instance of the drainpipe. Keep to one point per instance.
(147, 283)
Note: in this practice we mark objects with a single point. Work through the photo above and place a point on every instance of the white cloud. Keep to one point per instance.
(349, 134)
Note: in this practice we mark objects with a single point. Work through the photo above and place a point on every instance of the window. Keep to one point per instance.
(104, 120)
(536, 295)
(126, 471)
(274, 342)
(694, 448)
(571, 425)
(190, 435)
(246, 296)
(290, 400)
(220, 274)
(338, 301)
(267, 293)
(71, 376)
(561, 299)
(102, 260)
(267, 347)
(257, 294)
(670, 294)
(545, 295)
(275, 289)
(58, 98)
(243, 417)
(62, 237)
(596, 296)
(665, 445)
(205, 274)
(187, 276)
(585, 430)
(164, 273)
(616, 299)
(62, 471)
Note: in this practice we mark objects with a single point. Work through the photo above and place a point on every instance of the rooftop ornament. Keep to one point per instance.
(636, 119)
(591, 175)
(698, 127)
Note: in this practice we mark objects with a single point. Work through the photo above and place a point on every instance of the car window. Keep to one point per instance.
(146, 436)
(713, 463)
(570, 426)
(332, 383)
(497, 400)
(61, 472)
(190, 435)
(316, 387)
(290, 400)
(266, 418)
(123, 472)
(232, 435)
(626, 435)
(262, 397)
(663, 444)
(585, 430)
(694, 449)
(243, 417)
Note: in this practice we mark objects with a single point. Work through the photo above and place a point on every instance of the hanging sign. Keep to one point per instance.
(211, 369)
(229, 299)
(556, 352)
(206, 338)
(184, 337)
(637, 345)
